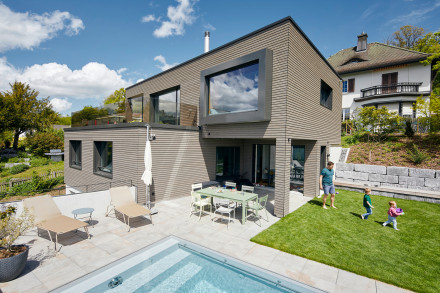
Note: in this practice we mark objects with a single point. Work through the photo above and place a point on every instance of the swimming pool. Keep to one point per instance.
(176, 265)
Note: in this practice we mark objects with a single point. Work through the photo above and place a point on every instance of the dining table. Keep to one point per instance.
(232, 195)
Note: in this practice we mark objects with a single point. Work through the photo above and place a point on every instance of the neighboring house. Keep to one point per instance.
(247, 109)
(381, 75)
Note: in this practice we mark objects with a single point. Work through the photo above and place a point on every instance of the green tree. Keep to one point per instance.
(430, 43)
(117, 97)
(43, 141)
(380, 122)
(406, 37)
(24, 111)
(86, 114)
(63, 120)
(430, 112)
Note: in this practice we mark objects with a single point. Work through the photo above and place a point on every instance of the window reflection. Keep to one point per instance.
(136, 107)
(234, 91)
(166, 107)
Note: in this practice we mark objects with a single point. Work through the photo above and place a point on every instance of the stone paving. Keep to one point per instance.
(47, 269)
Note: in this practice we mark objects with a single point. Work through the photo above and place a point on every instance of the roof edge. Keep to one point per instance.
(274, 24)
(381, 66)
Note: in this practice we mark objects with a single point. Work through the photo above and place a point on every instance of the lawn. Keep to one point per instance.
(52, 166)
(409, 258)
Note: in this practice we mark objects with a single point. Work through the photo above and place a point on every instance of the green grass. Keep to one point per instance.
(53, 166)
(409, 258)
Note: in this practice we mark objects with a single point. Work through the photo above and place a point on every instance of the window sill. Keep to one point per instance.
(103, 174)
(76, 167)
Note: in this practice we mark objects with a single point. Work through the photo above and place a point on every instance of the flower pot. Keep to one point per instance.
(11, 267)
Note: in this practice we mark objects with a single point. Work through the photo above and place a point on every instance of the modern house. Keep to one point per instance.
(264, 107)
(378, 75)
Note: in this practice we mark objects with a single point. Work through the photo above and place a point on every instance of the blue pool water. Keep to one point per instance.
(179, 269)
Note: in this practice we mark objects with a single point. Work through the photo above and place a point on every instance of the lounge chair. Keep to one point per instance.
(122, 202)
(48, 217)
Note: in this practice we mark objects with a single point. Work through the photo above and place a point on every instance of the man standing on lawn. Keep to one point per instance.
(326, 184)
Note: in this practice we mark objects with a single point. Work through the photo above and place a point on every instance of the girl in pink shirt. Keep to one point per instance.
(392, 215)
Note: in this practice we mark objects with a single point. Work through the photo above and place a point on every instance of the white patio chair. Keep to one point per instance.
(246, 188)
(258, 206)
(230, 185)
(198, 202)
(223, 206)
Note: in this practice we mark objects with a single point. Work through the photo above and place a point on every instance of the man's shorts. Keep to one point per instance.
(329, 189)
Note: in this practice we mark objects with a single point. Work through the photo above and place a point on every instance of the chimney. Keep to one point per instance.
(206, 41)
(362, 42)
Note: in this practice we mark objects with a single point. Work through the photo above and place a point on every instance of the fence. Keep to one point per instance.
(6, 186)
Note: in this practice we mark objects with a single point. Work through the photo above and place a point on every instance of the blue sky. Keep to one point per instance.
(78, 52)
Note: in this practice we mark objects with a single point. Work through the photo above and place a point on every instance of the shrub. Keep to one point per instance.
(43, 142)
(37, 183)
(39, 161)
(416, 156)
(13, 160)
(18, 169)
(409, 131)
(22, 154)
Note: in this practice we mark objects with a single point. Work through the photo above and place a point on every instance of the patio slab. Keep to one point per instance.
(47, 269)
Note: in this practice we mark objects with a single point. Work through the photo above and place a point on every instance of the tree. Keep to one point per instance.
(117, 97)
(406, 37)
(24, 111)
(380, 122)
(430, 111)
(430, 43)
(88, 113)
(63, 120)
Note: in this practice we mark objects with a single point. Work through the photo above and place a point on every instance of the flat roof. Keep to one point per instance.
(277, 23)
(131, 124)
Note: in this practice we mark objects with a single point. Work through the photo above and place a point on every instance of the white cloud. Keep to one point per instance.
(209, 27)
(165, 65)
(121, 70)
(148, 18)
(60, 105)
(178, 16)
(93, 80)
(415, 16)
(27, 30)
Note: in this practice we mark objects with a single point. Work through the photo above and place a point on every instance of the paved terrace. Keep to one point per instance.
(47, 270)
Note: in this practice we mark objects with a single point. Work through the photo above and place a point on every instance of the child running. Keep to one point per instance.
(392, 215)
(367, 204)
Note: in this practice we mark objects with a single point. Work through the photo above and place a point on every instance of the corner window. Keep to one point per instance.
(165, 107)
(326, 95)
(75, 154)
(137, 108)
(103, 158)
(344, 86)
(233, 91)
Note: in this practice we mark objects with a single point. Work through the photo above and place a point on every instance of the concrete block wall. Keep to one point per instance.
(398, 177)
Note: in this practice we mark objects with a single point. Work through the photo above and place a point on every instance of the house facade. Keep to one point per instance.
(379, 75)
(264, 108)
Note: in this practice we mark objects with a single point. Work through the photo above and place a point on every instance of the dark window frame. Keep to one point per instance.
(73, 151)
(97, 158)
(154, 102)
(264, 58)
(326, 99)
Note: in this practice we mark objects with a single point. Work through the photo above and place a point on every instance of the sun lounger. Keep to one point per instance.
(122, 202)
(47, 216)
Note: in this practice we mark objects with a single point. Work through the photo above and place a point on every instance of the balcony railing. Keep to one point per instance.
(401, 87)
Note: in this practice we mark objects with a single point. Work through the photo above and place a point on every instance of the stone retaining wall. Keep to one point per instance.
(398, 177)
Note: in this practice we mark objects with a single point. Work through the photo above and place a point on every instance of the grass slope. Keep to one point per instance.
(52, 166)
(408, 258)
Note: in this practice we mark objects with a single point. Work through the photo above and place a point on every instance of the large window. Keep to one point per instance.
(103, 158)
(234, 91)
(297, 167)
(326, 95)
(137, 108)
(165, 107)
(75, 154)
(227, 163)
(264, 165)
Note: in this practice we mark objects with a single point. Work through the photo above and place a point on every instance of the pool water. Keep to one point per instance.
(181, 270)
(176, 265)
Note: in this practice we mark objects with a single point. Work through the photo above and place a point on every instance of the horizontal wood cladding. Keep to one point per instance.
(307, 118)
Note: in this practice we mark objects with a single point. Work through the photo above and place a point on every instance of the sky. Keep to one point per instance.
(78, 52)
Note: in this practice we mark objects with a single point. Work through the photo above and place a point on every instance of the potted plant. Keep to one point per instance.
(12, 257)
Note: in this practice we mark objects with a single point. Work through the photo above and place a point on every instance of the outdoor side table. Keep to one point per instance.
(84, 211)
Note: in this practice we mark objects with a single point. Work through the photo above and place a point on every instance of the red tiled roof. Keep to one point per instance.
(377, 55)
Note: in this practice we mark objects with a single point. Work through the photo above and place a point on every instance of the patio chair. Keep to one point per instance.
(198, 202)
(246, 188)
(224, 206)
(47, 216)
(122, 202)
(230, 185)
(258, 206)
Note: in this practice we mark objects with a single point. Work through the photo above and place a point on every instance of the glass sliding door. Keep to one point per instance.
(297, 167)
(227, 163)
(264, 165)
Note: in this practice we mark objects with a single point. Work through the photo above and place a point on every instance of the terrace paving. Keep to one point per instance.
(47, 269)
